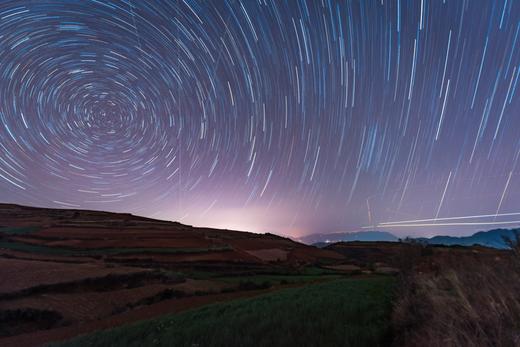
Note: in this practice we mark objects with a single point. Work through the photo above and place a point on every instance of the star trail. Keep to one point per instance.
(292, 117)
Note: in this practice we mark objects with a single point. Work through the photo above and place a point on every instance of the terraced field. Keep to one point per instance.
(72, 272)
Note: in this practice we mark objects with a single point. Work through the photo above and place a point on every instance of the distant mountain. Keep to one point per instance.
(492, 238)
(352, 236)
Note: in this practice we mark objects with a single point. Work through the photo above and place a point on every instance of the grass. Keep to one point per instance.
(279, 274)
(278, 279)
(25, 247)
(316, 271)
(18, 230)
(347, 312)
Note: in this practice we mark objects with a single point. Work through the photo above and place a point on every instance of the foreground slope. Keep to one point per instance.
(348, 312)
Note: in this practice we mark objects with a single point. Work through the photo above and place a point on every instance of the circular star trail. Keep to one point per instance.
(284, 116)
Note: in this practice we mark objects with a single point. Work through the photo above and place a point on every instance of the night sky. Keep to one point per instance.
(269, 116)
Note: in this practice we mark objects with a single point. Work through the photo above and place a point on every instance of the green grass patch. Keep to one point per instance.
(201, 274)
(278, 279)
(346, 312)
(25, 247)
(315, 271)
(18, 230)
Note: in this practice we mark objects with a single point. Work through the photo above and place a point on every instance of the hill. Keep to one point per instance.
(126, 238)
(77, 272)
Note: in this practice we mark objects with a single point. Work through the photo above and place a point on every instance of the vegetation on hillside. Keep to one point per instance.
(68, 251)
(466, 300)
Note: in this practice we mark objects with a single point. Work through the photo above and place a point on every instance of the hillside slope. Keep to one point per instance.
(126, 238)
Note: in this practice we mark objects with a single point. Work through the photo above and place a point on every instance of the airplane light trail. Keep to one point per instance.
(443, 224)
(450, 218)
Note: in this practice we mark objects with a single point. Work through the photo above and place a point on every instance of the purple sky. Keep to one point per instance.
(270, 116)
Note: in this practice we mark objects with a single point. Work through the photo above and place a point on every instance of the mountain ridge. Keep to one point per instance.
(494, 238)
(491, 238)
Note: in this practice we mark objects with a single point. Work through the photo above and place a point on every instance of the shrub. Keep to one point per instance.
(469, 302)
